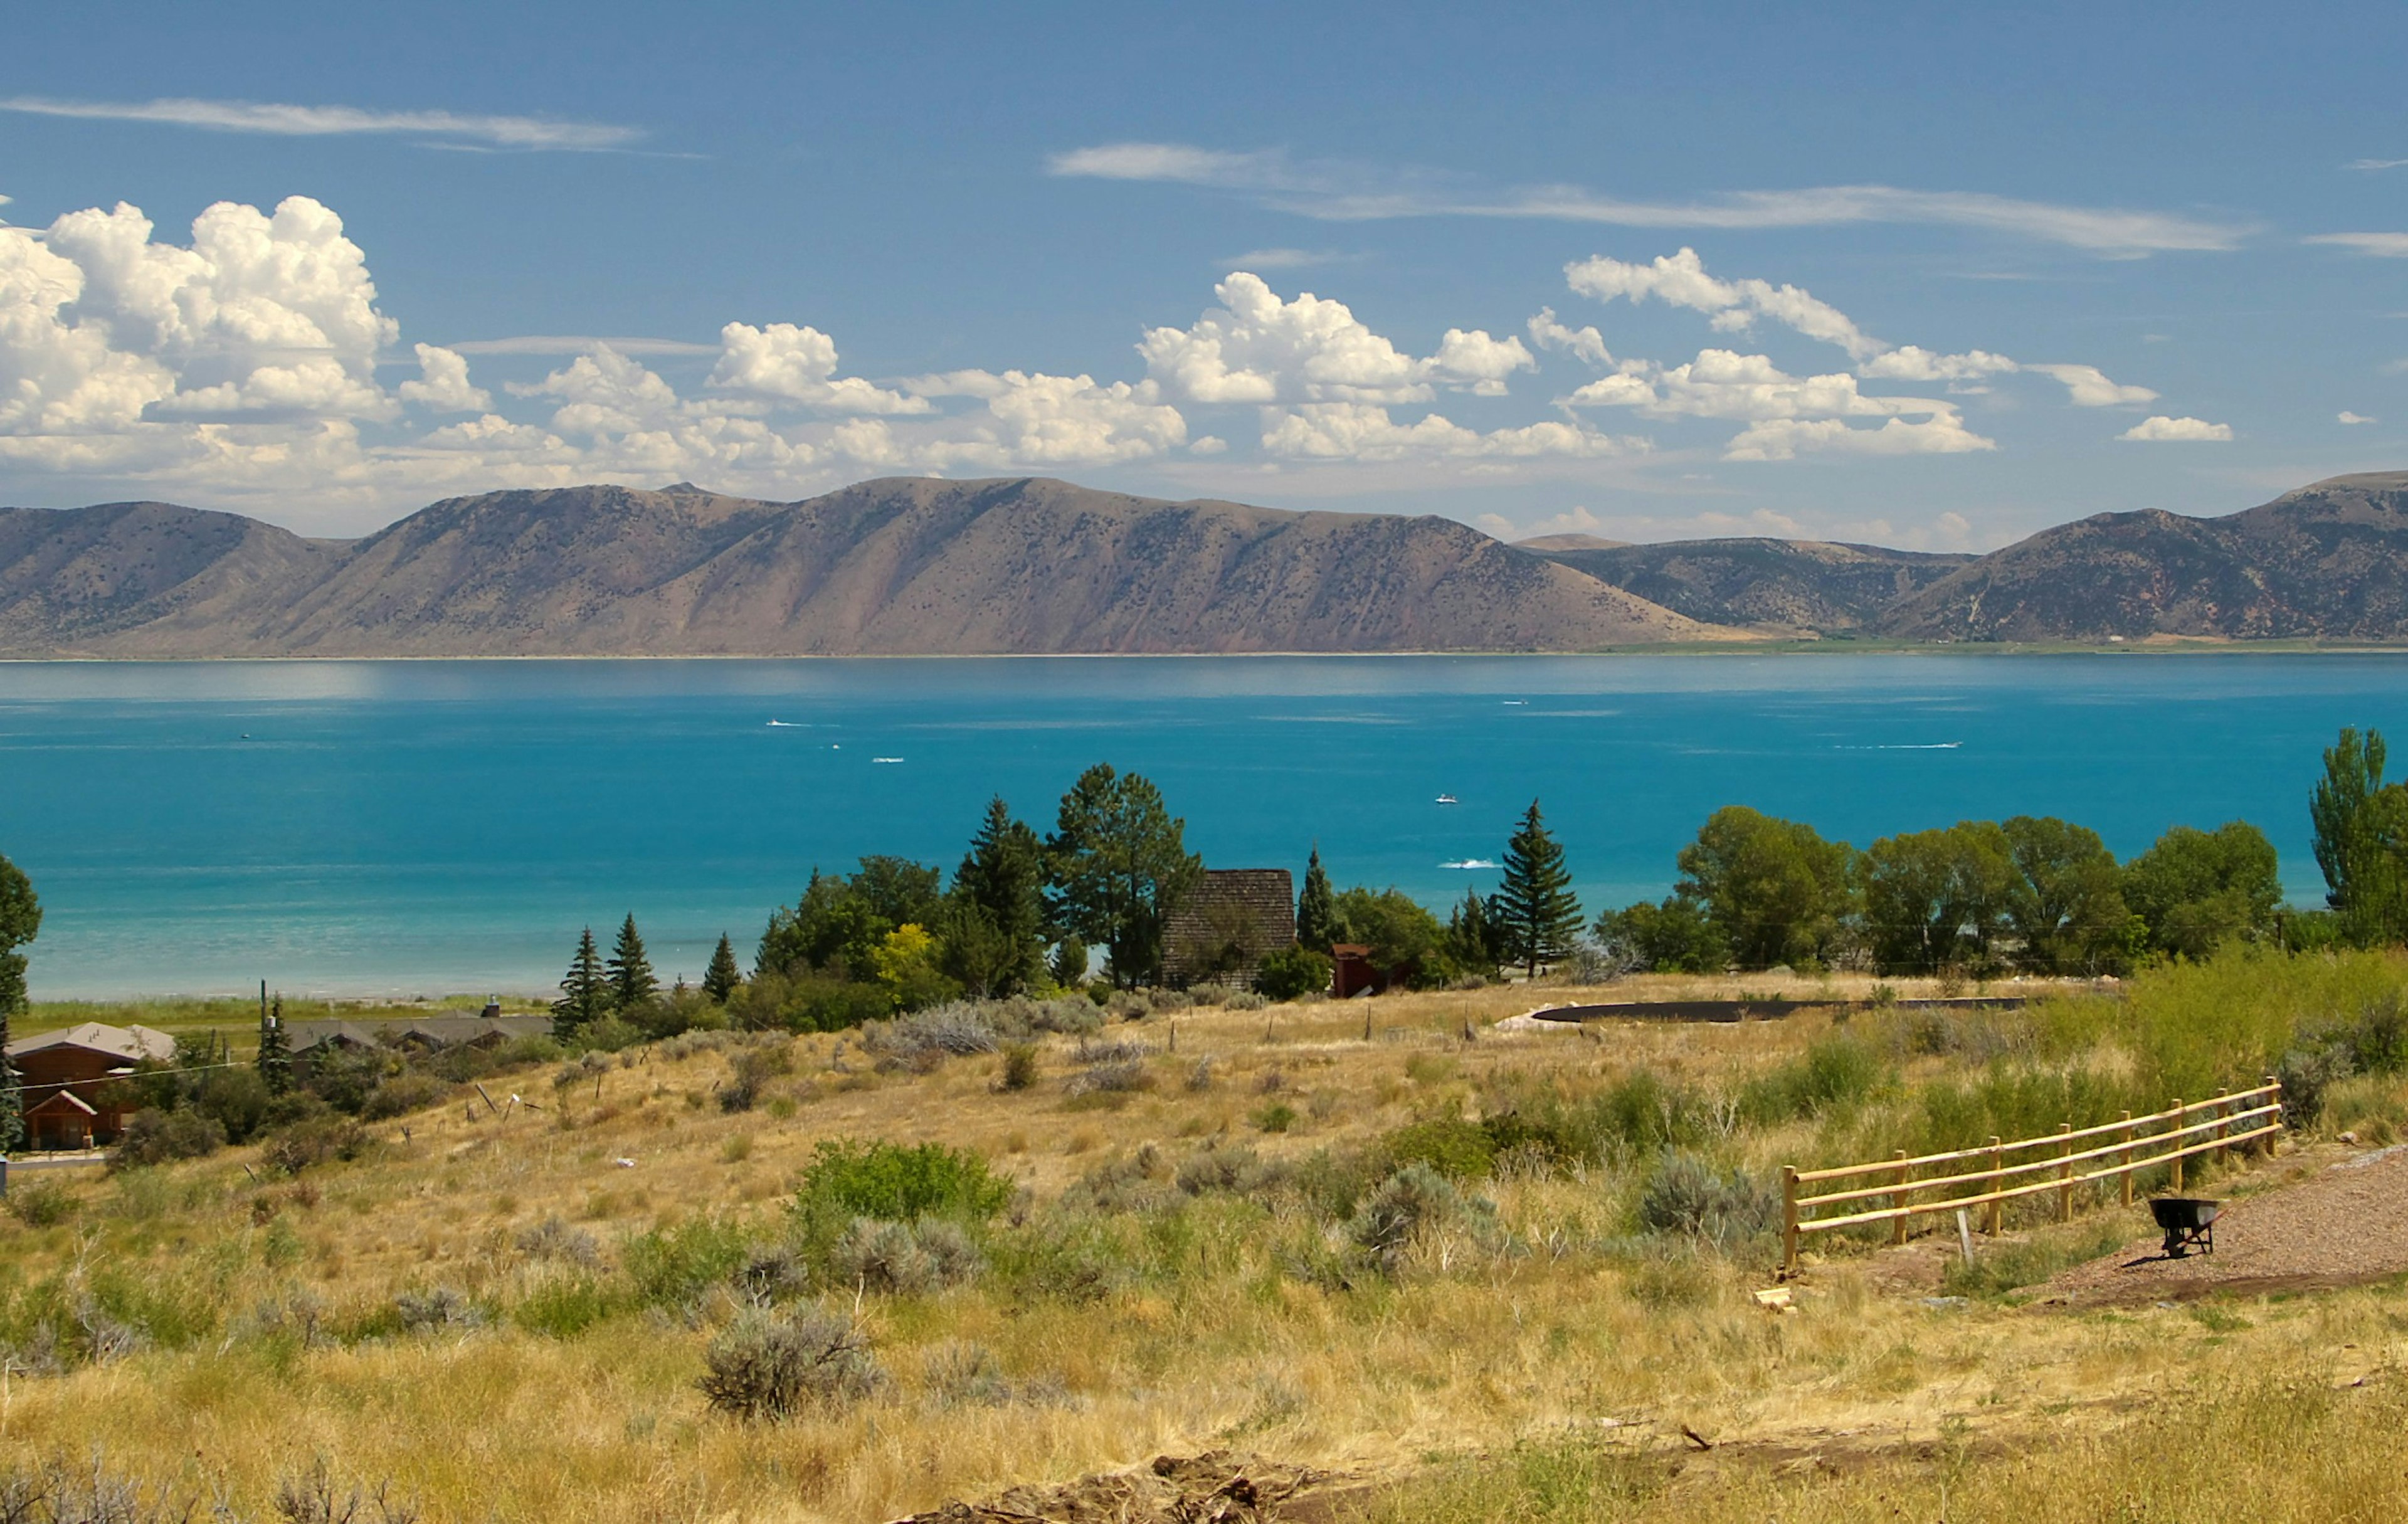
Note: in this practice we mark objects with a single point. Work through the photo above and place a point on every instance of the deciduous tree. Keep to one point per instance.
(1937, 899)
(2066, 901)
(2196, 890)
(20, 921)
(1776, 891)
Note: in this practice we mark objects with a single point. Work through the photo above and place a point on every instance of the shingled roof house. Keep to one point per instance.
(1220, 929)
(71, 1100)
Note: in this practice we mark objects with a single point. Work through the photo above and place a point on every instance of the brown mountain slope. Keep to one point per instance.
(1797, 584)
(901, 566)
(68, 579)
(2329, 560)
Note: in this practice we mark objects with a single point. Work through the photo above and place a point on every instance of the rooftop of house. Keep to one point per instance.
(129, 1044)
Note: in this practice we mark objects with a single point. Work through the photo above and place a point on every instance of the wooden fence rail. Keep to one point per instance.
(2134, 1144)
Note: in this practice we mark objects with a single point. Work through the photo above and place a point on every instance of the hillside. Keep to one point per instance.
(1794, 584)
(904, 566)
(2328, 561)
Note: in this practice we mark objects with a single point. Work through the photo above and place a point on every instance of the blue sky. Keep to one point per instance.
(1932, 278)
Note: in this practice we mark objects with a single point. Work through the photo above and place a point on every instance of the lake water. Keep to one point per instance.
(439, 827)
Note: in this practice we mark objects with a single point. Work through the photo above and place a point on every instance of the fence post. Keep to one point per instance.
(2265, 1147)
(2065, 1174)
(2125, 1159)
(1789, 1219)
(1897, 1201)
(2223, 1110)
(1998, 1167)
(2181, 1115)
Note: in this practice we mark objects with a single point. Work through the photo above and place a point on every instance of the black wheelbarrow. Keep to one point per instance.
(2187, 1220)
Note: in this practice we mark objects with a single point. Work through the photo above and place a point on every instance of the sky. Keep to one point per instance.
(1930, 276)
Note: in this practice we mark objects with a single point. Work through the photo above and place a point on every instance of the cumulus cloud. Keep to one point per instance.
(550, 344)
(443, 383)
(2348, 417)
(1257, 348)
(1549, 332)
(791, 363)
(1055, 420)
(1680, 281)
(2088, 388)
(1363, 431)
(2163, 430)
(511, 132)
(1783, 438)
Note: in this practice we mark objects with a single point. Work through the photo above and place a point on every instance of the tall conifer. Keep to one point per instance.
(632, 985)
(584, 991)
(1317, 907)
(275, 1062)
(21, 918)
(720, 980)
(1536, 912)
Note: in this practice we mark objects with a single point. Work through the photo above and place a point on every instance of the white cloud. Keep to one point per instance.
(2161, 429)
(789, 364)
(2087, 387)
(2380, 245)
(1586, 341)
(1337, 191)
(1680, 281)
(1782, 438)
(1575, 520)
(1362, 431)
(2375, 164)
(1043, 420)
(443, 383)
(1257, 348)
(2348, 417)
(331, 121)
(1914, 363)
(1286, 259)
(549, 344)
(1721, 383)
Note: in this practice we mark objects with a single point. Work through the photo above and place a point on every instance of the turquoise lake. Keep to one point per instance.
(401, 827)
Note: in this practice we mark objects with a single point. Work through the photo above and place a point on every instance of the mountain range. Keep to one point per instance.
(1031, 566)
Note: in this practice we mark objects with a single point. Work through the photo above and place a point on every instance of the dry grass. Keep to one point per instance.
(1494, 1344)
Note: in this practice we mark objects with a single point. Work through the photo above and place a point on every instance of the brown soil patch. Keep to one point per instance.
(2345, 1224)
(1218, 1486)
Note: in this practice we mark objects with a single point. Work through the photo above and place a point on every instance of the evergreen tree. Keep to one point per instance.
(275, 1061)
(1536, 914)
(21, 918)
(631, 980)
(584, 991)
(720, 980)
(1472, 938)
(1316, 913)
(995, 920)
(1118, 862)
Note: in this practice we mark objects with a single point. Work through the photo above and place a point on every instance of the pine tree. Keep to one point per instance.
(584, 991)
(20, 917)
(995, 920)
(1471, 937)
(274, 1050)
(1536, 914)
(632, 985)
(1317, 907)
(720, 980)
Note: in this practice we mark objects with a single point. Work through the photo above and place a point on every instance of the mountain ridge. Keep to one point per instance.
(900, 566)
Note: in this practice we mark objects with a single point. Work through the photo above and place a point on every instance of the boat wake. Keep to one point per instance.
(1470, 862)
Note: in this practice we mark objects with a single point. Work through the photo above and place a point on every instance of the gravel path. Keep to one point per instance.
(2343, 1225)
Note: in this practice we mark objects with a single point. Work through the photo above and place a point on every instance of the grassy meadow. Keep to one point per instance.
(1488, 1273)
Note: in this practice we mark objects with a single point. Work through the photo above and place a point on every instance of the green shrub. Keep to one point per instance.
(672, 1266)
(43, 1203)
(157, 1137)
(1455, 1148)
(1286, 972)
(896, 1183)
(1836, 1073)
(1019, 1066)
(1276, 1117)
(563, 1309)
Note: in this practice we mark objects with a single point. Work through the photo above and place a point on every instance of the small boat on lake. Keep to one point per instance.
(1448, 799)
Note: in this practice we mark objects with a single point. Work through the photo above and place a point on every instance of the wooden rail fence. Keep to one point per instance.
(2108, 1151)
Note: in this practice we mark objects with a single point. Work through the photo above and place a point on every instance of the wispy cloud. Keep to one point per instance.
(1286, 259)
(1333, 190)
(2381, 245)
(578, 344)
(512, 132)
(2375, 164)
